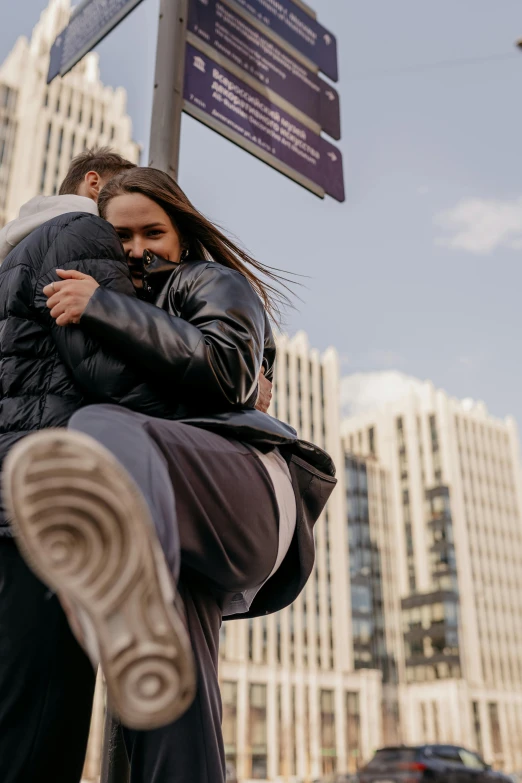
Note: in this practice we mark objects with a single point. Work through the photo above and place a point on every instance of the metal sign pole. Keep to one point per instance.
(167, 107)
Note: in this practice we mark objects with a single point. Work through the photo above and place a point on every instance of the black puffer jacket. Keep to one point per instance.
(48, 372)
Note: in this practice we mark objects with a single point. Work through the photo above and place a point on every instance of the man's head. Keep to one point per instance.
(91, 170)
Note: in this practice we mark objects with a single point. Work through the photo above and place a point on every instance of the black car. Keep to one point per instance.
(434, 763)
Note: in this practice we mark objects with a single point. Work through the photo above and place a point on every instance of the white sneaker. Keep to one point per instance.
(85, 529)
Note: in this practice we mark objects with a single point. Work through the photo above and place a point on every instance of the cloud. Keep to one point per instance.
(481, 226)
(365, 391)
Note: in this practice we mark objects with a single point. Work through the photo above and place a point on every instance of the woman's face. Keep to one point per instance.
(142, 225)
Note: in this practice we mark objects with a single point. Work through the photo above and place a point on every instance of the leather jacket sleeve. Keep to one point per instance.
(100, 375)
(211, 353)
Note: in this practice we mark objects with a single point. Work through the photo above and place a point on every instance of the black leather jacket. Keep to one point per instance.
(204, 332)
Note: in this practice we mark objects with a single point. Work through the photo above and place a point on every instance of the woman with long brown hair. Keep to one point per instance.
(179, 522)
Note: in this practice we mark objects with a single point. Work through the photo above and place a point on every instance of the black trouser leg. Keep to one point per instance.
(46, 681)
(211, 497)
(191, 749)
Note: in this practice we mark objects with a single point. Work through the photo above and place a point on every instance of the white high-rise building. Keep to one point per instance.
(294, 707)
(457, 508)
(42, 128)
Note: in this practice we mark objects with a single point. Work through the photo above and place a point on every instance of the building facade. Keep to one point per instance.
(375, 601)
(43, 127)
(456, 502)
(295, 707)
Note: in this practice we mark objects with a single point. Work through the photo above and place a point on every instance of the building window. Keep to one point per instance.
(328, 744)
(264, 640)
(371, 441)
(282, 733)
(258, 732)
(496, 739)
(293, 706)
(435, 448)
(229, 698)
(477, 727)
(307, 730)
(424, 722)
(436, 724)
(46, 98)
(48, 137)
(353, 731)
(60, 145)
(113, 132)
(250, 640)
(43, 176)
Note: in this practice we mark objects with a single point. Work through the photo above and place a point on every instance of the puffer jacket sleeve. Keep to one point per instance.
(101, 375)
(212, 353)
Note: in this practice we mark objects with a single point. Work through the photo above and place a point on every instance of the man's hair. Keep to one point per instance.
(102, 160)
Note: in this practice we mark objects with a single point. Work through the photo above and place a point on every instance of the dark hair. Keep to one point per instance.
(200, 238)
(102, 160)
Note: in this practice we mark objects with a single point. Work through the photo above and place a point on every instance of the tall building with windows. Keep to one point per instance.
(295, 705)
(456, 502)
(42, 128)
(375, 602)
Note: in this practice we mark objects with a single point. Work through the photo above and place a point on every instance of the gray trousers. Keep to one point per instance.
(216, 516)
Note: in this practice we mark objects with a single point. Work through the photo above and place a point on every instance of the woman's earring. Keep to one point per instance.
(184, 254)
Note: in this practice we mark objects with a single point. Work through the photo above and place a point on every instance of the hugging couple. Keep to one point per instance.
(146, 493)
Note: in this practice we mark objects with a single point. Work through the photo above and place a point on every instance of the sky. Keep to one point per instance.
(419, 270)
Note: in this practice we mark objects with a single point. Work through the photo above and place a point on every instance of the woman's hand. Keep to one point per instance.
(67, 300)
(264, 395)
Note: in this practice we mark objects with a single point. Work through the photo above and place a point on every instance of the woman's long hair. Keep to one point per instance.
(201, 238)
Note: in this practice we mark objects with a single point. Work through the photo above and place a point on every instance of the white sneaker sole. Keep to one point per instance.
(85, 529)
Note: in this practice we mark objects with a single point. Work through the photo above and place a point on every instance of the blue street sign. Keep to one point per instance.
(218, 25)
(300, 30)
(225, 103)
(90, 22)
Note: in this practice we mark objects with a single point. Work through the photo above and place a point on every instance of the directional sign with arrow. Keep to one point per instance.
(221, 100)
(241, 43)
(298, 29)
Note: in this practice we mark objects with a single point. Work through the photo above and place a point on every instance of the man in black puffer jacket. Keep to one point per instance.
(47, 373)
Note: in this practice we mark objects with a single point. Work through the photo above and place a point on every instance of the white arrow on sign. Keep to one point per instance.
(330, 95)
(327, 39)
(332, 156)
